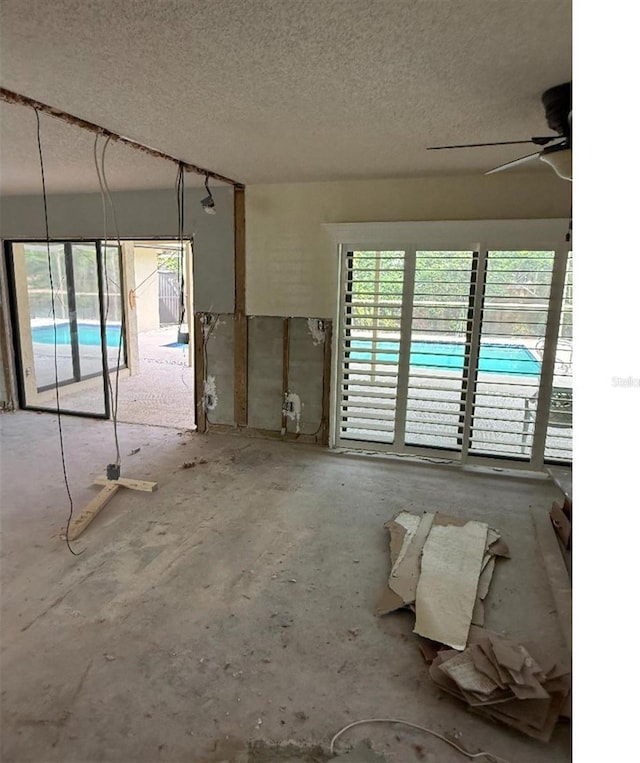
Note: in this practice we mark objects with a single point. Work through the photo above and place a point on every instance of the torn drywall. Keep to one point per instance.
(293, 408)
(218, 391)
(317, 330)
(210, 393)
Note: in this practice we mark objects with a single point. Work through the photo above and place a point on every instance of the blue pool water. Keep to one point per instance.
(494, 358)
(88, 334)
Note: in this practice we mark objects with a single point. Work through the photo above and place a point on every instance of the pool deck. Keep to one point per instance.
(161, 394)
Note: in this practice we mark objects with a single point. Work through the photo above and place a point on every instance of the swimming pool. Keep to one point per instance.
(494, 358)
(88, 334)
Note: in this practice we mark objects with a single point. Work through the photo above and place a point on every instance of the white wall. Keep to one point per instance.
(292, 264)
(145, 263)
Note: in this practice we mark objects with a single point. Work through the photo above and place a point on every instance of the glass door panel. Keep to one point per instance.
(49, 339)
(438, 348)
(116, 354)
(370, 348)
(558, 443)
(59, 327)
(514, 322)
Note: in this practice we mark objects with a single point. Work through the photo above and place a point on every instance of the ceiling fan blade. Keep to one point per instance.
(545, 139)
(538, 140)
(477, 145)
(515, 163)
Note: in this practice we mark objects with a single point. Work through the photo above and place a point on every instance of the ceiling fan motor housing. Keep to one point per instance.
(557, 105)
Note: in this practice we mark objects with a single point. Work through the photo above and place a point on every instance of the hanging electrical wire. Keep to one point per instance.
(55, 340)
(180, 202)
(113, 470)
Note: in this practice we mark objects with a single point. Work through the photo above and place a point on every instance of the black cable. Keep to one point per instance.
(55, 342)
(105, 193)
(122, 323)
(180, 203)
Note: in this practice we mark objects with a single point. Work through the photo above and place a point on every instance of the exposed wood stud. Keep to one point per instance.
(23, 100)
(326, 383)
(241, 349)
(285, 369)
(240, 262)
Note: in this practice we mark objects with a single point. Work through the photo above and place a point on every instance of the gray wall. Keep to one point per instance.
(306, 368)
(141, 214)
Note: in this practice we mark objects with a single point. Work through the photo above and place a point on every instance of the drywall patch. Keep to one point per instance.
(210, 393)
(317, 330)
(292, 408)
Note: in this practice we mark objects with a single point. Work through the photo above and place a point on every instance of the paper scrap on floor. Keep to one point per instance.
(441, 567)
(499, 678)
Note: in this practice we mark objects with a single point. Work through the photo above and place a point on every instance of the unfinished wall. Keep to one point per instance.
(287, 362)
(292, 264)
(219, 369)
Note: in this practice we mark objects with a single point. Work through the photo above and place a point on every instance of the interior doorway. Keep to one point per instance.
(105, 330)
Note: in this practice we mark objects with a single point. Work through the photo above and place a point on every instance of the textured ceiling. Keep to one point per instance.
(277, 90)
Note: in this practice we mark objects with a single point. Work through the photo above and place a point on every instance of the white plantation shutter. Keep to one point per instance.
(450, 352)
(513, 327)
(439, 323)
(369, 353)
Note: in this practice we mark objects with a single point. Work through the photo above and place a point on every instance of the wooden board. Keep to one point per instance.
(448, 584)
(240, 328)
(147, 487)
(92, 509)
(557, 573)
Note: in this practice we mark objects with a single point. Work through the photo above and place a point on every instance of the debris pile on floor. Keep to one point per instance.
(499, 678)
(441, 569)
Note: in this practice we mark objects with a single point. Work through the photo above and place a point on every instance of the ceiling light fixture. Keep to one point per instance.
(208, 204)
(560, 160)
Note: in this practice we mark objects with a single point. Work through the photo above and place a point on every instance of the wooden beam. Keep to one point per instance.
(285, 370)
(146, 487)
(200, 331)
(326, 383)
(23, 100)
(92, 509)
(239, 224)
(240, 334)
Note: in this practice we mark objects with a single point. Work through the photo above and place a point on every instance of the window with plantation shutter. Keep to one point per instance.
(460, 352)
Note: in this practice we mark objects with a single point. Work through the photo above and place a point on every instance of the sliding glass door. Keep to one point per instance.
(67, 317)
(445, 351)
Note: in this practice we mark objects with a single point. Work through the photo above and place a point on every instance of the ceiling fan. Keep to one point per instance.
(556, 149)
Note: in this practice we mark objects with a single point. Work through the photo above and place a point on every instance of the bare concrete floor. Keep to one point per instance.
(180, 624)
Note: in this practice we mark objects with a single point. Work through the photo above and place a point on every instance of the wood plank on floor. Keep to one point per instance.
(147, 487)
(92, 509)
